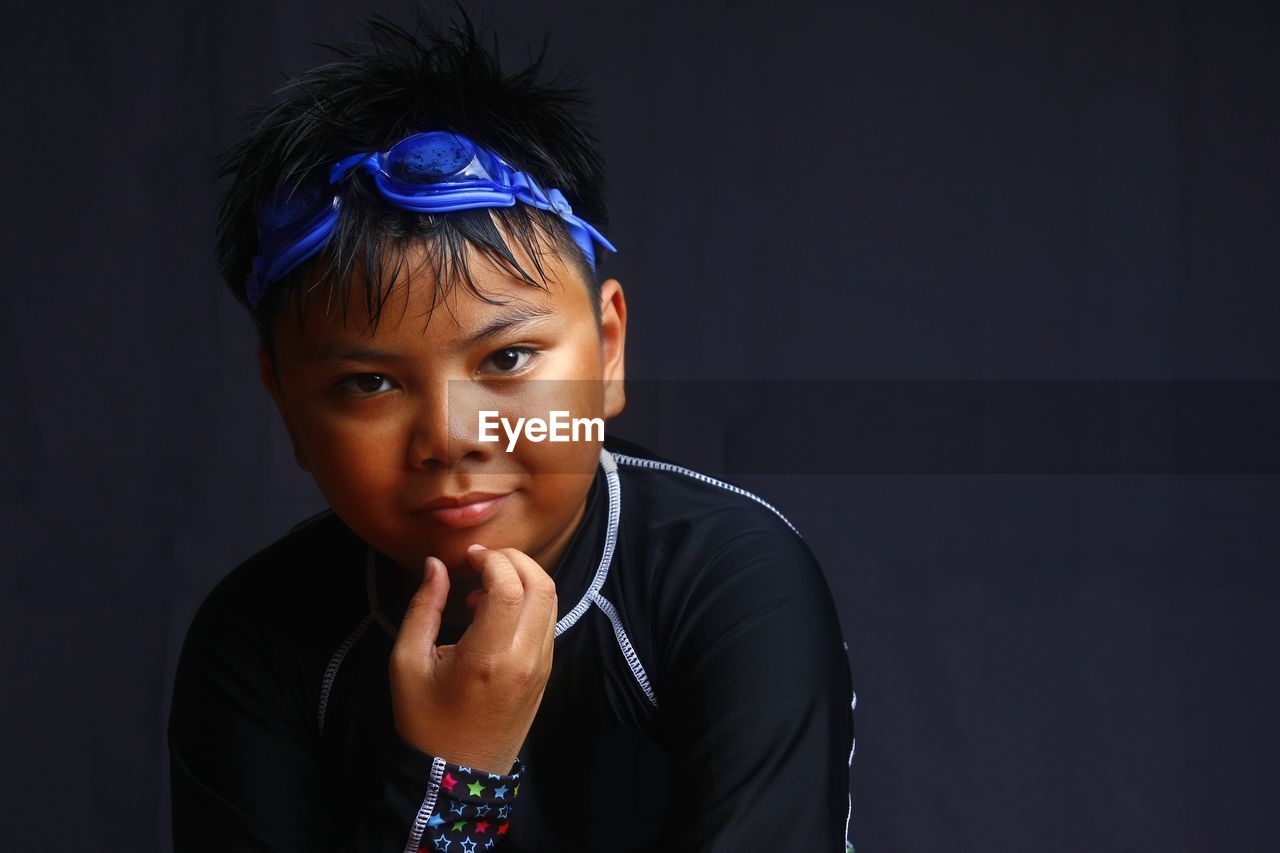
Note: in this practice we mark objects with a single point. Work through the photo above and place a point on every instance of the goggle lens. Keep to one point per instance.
(287, 209)
(434, 157)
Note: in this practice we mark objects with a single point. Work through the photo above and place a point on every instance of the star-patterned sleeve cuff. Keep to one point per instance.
(472, 809)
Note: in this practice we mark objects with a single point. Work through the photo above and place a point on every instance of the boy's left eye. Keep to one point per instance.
(510, 360)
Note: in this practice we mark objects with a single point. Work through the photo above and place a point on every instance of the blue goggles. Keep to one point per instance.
(432, 172)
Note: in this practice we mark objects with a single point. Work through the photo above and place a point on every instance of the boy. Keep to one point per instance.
(526, 644)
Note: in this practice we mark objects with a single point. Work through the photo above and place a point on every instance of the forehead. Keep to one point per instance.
(428, 296)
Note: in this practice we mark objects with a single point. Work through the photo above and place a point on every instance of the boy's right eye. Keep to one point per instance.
(364, 384)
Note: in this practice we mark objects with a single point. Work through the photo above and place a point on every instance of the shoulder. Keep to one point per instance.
(308, 557)
(702, 533)
(290, 591)
(715, 576)
(254, 653)
(670, 491)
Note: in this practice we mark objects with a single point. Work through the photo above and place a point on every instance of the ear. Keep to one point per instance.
(613, 346)
(268, 375)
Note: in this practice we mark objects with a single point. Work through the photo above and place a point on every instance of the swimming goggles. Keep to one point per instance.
(431, 172)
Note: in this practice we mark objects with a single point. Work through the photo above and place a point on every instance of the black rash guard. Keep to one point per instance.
(699, 698)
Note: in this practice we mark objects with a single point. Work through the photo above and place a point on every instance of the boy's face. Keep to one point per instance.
(387, 421)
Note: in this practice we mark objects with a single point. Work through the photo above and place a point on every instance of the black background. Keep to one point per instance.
(802, 190)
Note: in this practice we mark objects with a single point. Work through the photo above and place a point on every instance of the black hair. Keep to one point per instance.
(434, 75)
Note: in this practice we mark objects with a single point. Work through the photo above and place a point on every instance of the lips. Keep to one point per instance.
(463, 510)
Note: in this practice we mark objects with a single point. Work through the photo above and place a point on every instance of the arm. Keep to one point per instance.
(245, 768)
(756, 699)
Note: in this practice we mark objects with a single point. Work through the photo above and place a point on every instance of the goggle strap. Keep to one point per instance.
(344, 166)
(431, 198)
(286, 262)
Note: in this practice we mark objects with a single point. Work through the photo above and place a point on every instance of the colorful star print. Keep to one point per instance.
(466, 800)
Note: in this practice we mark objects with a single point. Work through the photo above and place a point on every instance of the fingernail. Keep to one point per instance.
(476, 547)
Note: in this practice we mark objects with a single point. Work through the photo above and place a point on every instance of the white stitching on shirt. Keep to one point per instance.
(335, 662)
(428, 806)
(853, 742)
(679, 469)
(610, 540)
(592, 595)
(624, 643)
(331, 671)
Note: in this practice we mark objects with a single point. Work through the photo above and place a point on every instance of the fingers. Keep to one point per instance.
(539, 602)
(421, 624)
(516, 601)
(554, 616)
(499, 608)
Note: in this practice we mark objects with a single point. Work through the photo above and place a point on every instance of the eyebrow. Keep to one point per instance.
(330, 351)
(511, 316)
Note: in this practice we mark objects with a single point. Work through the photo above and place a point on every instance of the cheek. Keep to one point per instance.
(587, 362)
(355, 460)
(538, 398)
(582, 399)
(552, 464)
(556, 497)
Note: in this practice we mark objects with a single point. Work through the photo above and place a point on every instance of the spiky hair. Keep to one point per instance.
(434, 75)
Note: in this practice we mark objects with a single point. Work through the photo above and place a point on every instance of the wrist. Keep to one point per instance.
(490, 762)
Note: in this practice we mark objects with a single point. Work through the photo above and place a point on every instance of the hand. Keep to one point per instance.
(473, 703)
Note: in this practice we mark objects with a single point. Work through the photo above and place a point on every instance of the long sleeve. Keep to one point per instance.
(757, 703)
(245, 767)
(472, 809)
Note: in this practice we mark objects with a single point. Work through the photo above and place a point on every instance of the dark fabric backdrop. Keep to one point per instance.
(1064, 190)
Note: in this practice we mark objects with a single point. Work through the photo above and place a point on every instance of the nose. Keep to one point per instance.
(445, 428)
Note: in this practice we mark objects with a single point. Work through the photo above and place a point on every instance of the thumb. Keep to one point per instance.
(421, 623)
